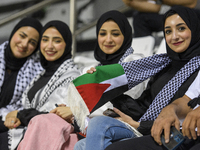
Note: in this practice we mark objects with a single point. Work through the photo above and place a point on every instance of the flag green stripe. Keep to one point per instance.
(103, 73)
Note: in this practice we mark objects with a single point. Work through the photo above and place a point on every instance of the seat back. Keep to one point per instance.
(143, 45)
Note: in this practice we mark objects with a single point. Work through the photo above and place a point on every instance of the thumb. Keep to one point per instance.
(118, 111)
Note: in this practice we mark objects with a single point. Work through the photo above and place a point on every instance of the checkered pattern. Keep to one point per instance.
(142, 69)
(28, 71)
(52, 84)
(166, 94)
(137, 71)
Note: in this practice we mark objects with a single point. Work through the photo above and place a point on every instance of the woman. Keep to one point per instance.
(49, 87)
(19, 64)
(114, 38)
(170, 83)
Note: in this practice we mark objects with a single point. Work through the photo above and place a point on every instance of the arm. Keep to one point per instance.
(170, 116)
(143, 6)
(186, 3)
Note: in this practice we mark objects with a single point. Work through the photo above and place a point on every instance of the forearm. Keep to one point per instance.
(181, 107)
(145, 6)
(187, 3)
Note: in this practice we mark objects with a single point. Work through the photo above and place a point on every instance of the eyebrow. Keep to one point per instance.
(27, 36)
(53, 37)
(176, 25)
(111, 30)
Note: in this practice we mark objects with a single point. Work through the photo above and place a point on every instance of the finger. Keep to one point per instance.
(18, 123)
(118, 112)
(167, 133)
(185, 129)
(177, 125)
(53, 111)
(93, 69)
(192, 130)
(156, 132)
(198, 127)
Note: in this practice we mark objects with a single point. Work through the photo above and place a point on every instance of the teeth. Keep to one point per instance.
(50, 52)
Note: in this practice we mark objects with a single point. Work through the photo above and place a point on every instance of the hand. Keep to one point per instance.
(164, 121)
(12, 122)
(192, 121)
(63, 112)
(126, 118)
(92, 70)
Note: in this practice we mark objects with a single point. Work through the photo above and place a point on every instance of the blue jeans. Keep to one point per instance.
(103, 131)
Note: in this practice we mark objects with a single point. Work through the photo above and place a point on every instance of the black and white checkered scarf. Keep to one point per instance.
(29, 70)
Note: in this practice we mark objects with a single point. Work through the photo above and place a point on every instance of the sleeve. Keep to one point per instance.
(194, 89)
(145, 127)
(26, 115)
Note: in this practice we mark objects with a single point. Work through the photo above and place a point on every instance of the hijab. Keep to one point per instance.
(63, 29)
(12, 62)
(121, 20)
(190, 18)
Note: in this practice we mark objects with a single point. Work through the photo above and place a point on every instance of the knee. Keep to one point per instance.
(80, 145)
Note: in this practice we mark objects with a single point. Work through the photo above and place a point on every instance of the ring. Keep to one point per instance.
(12, 121)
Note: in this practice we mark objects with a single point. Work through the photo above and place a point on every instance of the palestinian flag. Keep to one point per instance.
(90, 91)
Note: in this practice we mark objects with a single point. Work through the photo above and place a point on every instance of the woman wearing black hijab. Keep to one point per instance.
(182, 60)
(50, 86)
(19, 64)
(114, 43)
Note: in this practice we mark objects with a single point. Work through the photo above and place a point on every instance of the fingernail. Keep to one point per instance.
(167, 141)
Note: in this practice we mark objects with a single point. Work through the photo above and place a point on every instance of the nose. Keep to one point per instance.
(108, 38)
(175, 35)
(25, 43)
(50, 44)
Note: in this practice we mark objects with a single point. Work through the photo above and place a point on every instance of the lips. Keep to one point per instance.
(20, 49)
(109, 46)
(50, 53)
(177, 43)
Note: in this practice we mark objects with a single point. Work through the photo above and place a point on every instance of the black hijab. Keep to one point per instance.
(64, 30)
(12, 62)
(121, 20)
(51, 66)
(191, 19)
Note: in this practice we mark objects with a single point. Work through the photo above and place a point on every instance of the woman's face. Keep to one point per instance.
(177, 34)
(52, 44)
(24, 41)
(110, 37)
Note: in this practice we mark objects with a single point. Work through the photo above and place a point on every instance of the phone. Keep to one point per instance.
(176, 139)
(111, 113)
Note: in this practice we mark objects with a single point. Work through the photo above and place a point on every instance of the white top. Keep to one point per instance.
(194, 89)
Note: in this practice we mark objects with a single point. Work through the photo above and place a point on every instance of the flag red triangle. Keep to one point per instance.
(91, 93)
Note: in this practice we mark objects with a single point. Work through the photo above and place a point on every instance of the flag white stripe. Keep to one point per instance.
(116, 82)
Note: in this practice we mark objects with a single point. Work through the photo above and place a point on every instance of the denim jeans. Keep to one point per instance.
(103, 131)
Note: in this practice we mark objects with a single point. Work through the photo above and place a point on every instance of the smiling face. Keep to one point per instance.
(52, 44)
(110, 37)
(24, 41)
(177, 34)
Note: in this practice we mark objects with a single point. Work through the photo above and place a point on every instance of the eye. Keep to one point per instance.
(33, 43)
(181, 28)
(22, 36)
(44, 39)
(57, 41)
(167, 31)
(102, 33)
(116, 34)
